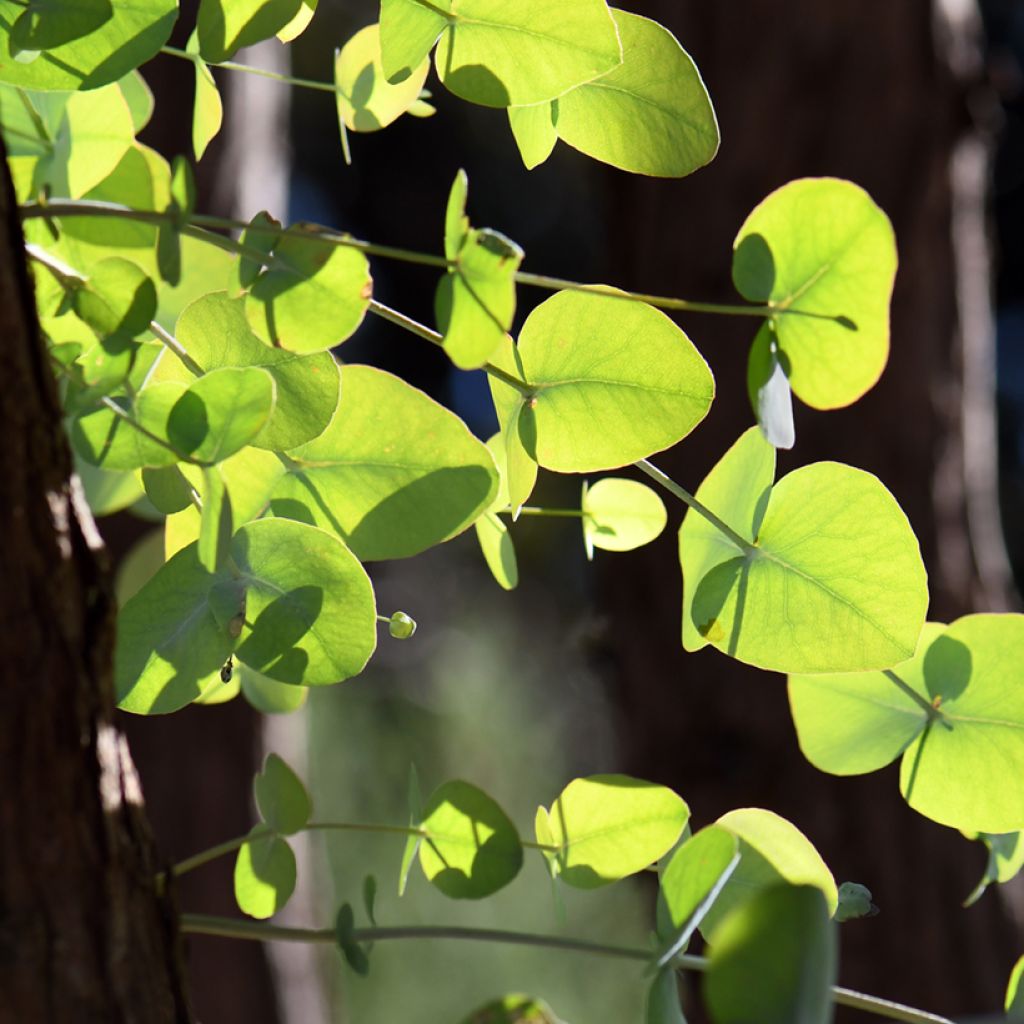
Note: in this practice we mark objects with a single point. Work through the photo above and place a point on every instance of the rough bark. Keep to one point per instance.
(869, 92)
(85, 933)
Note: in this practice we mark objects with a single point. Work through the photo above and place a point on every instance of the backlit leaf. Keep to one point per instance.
(281, 798)
(225, 26)
(620, 515)
(264, 876)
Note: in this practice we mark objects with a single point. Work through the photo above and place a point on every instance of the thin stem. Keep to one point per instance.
(702, 510)
(97, 208)
(175, 346)
(533, 510)
(929, 709)
(230, 65)
(422, 331)
(205, 924)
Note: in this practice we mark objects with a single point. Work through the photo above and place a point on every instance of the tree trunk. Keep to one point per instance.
(876, 93)
(85, 932)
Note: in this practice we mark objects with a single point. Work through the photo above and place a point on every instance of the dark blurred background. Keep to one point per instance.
(580, 670)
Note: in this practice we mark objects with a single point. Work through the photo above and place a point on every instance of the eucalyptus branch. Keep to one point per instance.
(533, 510)
(97, 208)
(931, 710)
(702, 510)
(204, 924)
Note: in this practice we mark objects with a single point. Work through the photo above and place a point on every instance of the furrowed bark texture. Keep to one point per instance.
(84, 934)
(881, 94)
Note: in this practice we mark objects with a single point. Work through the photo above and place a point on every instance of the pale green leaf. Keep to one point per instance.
(533, 128)
(853, 723)
(264, 876)
(772, 850)
(47, 24)
(650, 115)
(207, 110)
(215, 333)
(107, 491)
(620, 515)
(1005, 861)
(470, 848)
(169, 643)
(663, 1006)
(609, 826)
(281, 798)
(167, 489)
(1014, 1002)
(261, 234)
(225, 26)
(310, 616)
(833, 583)
(313, 298)
(139, 97)
(299, 23)
(117, 298)
(773, 960)
(139, 566)
(394, 473)
(129, 38)
(221, 412)
(408, 31)
(367, 102)
(821, 246)
(612, 381)
(501, 54)
(498, 549)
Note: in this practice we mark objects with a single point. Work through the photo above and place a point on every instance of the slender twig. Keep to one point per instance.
(175, 346)
(533, 510)
(921, 701)
(702, 510)
(97, 208)
(204, 924)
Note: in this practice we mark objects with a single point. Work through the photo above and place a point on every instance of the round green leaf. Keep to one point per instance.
(214, 332)
(139, 97)
(650, 115)
(310, 616)
(169, 642)
(774, 960)
(367, 102)
(772, 850)
(853, 723)
(264, 876)
(167, 489)
(609, 826)
(613, 381)
(821, 246)
(966, 769)
(501, 54)
(268, 696)
(129, 38)
(620, 515)
(314, 298)
(207, 110)
(281, 798)
(834, 583)
(105, 491)
(221, 412)
(408, 31)
(394, 473)
(469, 849)
(116, 299)
(225, 26)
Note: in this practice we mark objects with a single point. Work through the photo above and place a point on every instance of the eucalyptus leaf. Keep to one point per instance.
(498, 550)
(611, 381)
(207, 110)
(469, 849)
(1014, 1001)
(823, 254)
(167, 489)
(962, 740)
(281, 798)
(215, 522)
(265, 875)
(225, 26)
(117, 298)
(768, 387)
(115, 46)
(772, 850)
(310, 616)
(394, 473)
(261, 234)
(833, 580)
(650, 115)
(412, 842)
(773, 960)
(501, 54)
(313, 298)
(408, 32)
(214, 331)
(533, 128)
(268, 696)
(299, 23)
(366, 100)
(609, 826)
(139, 97)
(663, 1006)
(47, 24)
(620, 515)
